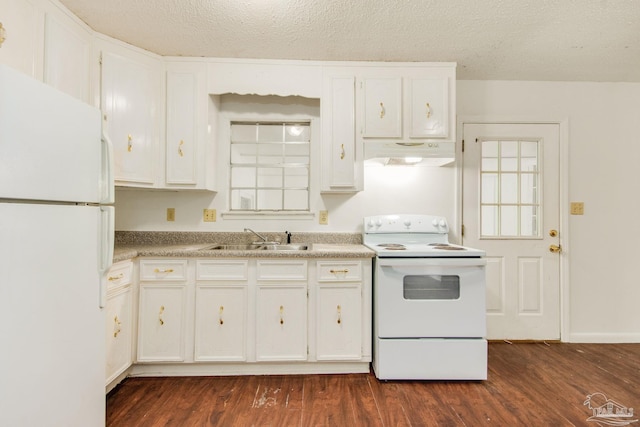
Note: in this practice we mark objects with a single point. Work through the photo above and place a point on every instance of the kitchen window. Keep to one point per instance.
(269, 166)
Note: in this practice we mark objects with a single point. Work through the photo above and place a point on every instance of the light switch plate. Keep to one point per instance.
(323, 218)
(577, 208)
(209, 215)
(171, 214)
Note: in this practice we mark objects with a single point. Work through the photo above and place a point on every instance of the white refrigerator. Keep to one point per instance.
(56, 243)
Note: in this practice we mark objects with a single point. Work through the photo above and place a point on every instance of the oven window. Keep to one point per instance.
(431, 287)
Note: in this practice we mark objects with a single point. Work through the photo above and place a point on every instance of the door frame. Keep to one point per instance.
(565, 301)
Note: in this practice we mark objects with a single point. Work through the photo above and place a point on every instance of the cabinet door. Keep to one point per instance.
(161, 331)
(429, 108)
(20, 20)
(221, 323)
(281, 317)
(128, 91)
(339, 322)
(66, 56)
(342, 167)
(182, 127)
(119, 330)
(382, 107)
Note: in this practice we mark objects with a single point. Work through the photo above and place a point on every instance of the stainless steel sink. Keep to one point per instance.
(257, 247)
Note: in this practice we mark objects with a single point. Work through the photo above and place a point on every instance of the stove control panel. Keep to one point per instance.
(406, 224)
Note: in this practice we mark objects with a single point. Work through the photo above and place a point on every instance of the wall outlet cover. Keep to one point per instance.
(171, 214)
(323, 218)
(209, 215)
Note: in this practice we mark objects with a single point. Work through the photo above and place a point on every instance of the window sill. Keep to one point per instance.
(268, 215)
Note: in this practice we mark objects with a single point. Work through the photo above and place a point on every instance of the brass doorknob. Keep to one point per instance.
(555, 249)
(553, 233)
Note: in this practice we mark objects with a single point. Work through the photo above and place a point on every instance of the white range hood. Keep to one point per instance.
(410, 152)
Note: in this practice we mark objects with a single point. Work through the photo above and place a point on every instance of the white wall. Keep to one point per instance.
(387, 190)
(603, 172)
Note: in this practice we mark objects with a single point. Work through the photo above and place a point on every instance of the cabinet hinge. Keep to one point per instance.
(100, 59)
(463, 145)
(462, 230)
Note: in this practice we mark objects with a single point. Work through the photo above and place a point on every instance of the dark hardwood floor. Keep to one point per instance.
(534, 384)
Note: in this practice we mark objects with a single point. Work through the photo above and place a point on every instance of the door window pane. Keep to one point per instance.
(510, 188)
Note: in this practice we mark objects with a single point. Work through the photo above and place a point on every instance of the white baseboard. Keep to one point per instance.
(603, 338)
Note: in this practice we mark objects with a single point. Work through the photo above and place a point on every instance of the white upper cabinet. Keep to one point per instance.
(187, 158)
(67, 53)
(429, 108)
(21, 22)
(412, 102)
(131, 102)
(382, 107)
(341, 153)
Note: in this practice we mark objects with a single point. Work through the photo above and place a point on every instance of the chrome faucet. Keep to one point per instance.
(264, 239)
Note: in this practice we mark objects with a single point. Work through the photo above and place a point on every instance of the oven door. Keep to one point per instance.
(429, 297)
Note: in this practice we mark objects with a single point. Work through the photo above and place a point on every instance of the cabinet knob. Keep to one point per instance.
(342, 152)
(339, 309)
(180, 152)
(129, 143)
(221, 320)
(114, 278)
(428, 110)
(282, 315)
(116, 329)
(166, 270)
(160, 315)
(382, 110)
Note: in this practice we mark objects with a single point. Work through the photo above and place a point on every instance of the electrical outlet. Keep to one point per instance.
(577, 208)
(209, 215)
(323, 218)
(171, 214)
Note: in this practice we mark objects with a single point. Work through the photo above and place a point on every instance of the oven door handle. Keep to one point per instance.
(431, 262)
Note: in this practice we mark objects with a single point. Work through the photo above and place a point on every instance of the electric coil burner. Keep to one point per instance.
(429, 301)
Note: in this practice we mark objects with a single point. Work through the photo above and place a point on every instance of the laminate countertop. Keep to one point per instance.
(315, 250)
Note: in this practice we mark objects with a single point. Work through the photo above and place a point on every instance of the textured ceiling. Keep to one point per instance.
(575, 40)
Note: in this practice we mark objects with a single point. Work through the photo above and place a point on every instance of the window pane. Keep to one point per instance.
(489, 164)
(509, 188)
(489, 217)
(243, 177)
(243, 153)
(243, 199)
(528, 221)
(489, 188)
(296, 153)
(296, 199)
(296, 177)
(508, 220)
(269, 200)
(297, 132)
(243, 133)
(270, 177)
(529, 188)
(529, 155)
(269, 133)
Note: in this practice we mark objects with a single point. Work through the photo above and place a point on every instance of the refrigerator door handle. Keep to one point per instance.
(107, 182)
(107, 225)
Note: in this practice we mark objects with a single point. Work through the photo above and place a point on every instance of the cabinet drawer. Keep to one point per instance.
(222, 269)
(163, 270)
(119, 274)
(339, 271)
(282, 270)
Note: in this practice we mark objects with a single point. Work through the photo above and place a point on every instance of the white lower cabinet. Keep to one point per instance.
(214, 316)
(281, 322)
(163, 311)
(119, 320)
(339, 302)
(221, 310)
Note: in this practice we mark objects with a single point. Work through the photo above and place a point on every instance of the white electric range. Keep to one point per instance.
(429, 301)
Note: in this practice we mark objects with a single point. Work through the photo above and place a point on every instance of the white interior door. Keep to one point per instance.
(511, 210)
